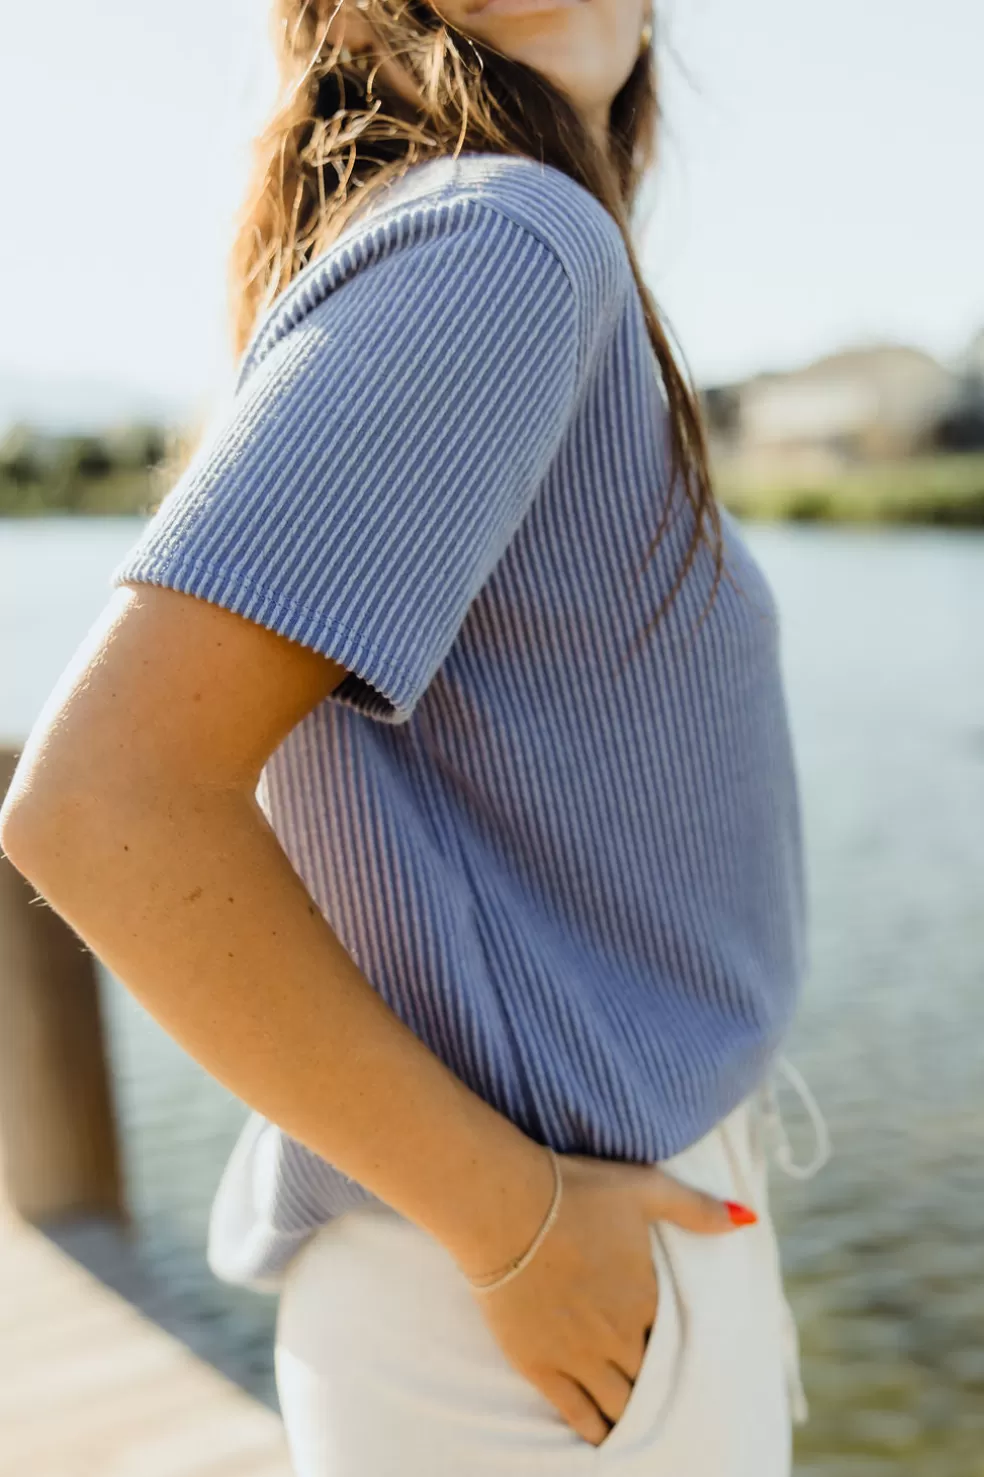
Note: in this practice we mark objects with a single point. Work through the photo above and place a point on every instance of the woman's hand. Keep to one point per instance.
(134, 813)
(575, 1322)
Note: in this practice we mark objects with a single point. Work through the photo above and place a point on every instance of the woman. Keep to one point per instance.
(384, 789)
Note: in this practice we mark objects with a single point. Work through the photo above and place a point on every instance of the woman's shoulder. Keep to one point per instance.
(451, 200)
(540, 198)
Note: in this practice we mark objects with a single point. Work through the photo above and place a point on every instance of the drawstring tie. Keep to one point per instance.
(773, 1116)
(770, 1114)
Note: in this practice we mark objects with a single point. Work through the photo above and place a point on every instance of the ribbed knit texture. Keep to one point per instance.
(579, 880)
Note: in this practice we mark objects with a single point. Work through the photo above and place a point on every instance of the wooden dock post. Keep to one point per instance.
(59, 1154)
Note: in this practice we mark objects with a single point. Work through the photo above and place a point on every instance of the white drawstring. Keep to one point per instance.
(784, 1152)
(771, 1113)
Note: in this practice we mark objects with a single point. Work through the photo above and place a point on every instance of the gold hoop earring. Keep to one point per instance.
(646, 39)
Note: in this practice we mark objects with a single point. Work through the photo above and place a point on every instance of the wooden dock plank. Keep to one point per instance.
(90, 1387)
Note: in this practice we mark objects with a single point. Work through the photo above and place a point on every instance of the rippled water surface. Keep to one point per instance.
(883, 638)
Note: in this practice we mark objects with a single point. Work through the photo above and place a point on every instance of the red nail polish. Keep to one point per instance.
(740, 1214)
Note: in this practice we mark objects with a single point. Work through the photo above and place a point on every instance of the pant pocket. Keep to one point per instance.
(386, 1368)
(651, 1400)
(711, 1398)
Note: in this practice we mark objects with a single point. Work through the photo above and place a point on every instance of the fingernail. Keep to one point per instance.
(740, 1214)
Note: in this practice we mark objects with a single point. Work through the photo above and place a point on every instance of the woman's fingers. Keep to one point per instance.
(666, 1198)
(593, 1394)
(579, 1321)
(627, 1334)
(578, 1408)
(610, 1389)
(663, 1197)
(593, 1402)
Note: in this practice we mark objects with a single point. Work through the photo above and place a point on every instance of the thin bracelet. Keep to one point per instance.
(516, 1266)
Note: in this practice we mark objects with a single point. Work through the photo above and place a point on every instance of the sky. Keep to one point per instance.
(819, 186)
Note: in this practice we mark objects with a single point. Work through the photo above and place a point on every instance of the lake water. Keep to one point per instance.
(884, 1250)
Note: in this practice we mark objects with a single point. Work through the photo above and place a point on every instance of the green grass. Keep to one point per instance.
(117, 493)
(941, 490)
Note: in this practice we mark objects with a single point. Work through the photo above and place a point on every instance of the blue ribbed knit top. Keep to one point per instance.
(573, 871)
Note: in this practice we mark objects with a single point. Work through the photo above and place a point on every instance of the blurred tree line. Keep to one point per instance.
(126, 471)
(123, 471)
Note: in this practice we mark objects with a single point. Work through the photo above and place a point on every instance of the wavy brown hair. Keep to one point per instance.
(338, 133)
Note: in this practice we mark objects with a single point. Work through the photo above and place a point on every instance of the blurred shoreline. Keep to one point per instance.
(934, 490)
(937, 490)
(876, 434)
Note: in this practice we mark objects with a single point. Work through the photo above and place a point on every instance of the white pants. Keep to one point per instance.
(385, 1366)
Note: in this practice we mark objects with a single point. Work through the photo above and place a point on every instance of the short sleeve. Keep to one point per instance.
(391, 425)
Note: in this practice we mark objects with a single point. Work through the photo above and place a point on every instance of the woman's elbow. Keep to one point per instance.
(32, 820)
(46, 818)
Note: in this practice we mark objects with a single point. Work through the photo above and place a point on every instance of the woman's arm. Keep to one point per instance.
(133, 812)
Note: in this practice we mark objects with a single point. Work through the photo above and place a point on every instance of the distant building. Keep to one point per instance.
(860, 403)
(881, 402)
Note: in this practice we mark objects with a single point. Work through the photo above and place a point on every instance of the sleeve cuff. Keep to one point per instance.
(377, 686)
